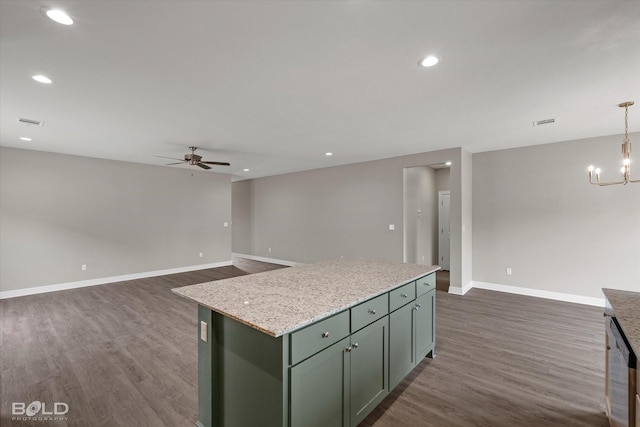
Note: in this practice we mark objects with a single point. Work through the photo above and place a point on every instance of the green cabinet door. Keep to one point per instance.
(320, 389)
(424, 315)
(401, 349)
(369, 368)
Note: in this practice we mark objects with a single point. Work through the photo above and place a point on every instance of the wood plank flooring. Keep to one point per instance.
(124, 354)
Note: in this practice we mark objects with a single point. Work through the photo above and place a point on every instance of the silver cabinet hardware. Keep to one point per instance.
(372, 311)
(325, 335)
(355, 345)
(404, 295)
(348, 349)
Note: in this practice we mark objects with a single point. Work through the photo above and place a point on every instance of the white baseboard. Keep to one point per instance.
(461, 291)
(269, 260)
(559, 296)
(105, 280)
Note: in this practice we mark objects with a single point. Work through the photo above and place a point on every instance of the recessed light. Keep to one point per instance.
(246, 170)
(60, 16)
(448, 163)
(42, 79)
(24, 138)
(328, 154)
(429, 61)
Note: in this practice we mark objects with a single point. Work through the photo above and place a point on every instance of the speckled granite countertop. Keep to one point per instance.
(280, 301)
(626, 306)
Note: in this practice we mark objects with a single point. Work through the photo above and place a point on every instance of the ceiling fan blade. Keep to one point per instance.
(202, 165)
(172, 158)
(171, 164)
(218, 163)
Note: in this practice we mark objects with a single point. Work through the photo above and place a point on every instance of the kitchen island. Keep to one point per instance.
(622, 384)
(312, 345)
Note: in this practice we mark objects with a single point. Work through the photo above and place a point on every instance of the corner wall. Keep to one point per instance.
(58, 212)
(343, 211)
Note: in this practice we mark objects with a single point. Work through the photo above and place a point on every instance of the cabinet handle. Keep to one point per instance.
(355, 345)
(348, 349)
(325, 335)
(372, 311)
(605, 314)
(418, 307)
(404, 295)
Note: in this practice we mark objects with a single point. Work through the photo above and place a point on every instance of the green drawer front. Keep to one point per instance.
(425, 284)
(320, 335)
(369, 312)
(401, 296)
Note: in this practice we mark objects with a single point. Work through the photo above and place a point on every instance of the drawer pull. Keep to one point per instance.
(404, 295)
(373, 312)
(325, 335)
(348, 349)
(418, 307)
(355, 345)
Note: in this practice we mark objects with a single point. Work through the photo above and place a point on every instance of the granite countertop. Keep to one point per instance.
(626, 306)
(280, 301)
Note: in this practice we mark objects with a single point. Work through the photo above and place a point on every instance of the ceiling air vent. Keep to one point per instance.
(30, 122)
(543, 122)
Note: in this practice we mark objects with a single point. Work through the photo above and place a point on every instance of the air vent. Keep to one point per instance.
(30, 122)
(543, 122)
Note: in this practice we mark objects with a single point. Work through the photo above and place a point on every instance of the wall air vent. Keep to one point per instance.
(30, 122)
(543, 122)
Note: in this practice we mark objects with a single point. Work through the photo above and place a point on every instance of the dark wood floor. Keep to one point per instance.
(125, 354)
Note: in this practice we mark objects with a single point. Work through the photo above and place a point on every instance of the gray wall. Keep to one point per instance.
(241, 211)
(344, 211)
(534, 211)
(442, 179)
(420, 215)
(58, 212)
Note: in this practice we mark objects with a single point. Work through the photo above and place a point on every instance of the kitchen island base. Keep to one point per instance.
(319, 345)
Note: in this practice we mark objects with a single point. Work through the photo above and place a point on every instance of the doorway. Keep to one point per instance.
(444, 229)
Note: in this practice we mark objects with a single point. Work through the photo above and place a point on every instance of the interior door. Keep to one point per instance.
(444, 232)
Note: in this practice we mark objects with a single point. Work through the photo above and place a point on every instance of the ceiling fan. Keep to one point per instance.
(195, 160)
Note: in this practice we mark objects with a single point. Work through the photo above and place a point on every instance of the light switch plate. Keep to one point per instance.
(204, 331)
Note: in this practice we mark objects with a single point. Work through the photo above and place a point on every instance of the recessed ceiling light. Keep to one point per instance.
(246, 170)
(24, 138)
(60, 16)
(328, 154)
(42, 79)
(429, 61)
(448, 163)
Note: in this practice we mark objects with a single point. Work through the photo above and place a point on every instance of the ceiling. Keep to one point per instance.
(272, 85)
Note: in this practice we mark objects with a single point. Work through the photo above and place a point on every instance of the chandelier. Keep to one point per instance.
(625, 170)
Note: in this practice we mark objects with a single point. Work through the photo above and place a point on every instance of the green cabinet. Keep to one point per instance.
(411, 335)
(369, 378)
(402, 357)
(320, 389)
(424, 314)
(341, 385)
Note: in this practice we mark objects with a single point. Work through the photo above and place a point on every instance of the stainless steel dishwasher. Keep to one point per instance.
(621, 377)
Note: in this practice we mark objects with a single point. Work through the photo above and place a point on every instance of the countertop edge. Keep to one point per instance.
(301, 325)
(631, 332)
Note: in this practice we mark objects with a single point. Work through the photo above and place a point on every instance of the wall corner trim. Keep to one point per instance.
(107, 280)
(539, 293)
(460, 291)
(269, 260)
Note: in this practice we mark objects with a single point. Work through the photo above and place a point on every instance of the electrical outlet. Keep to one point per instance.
(84, 267)
(226, 224)
(509, 272)
(269, 249)
(200, 254)
(392, 227)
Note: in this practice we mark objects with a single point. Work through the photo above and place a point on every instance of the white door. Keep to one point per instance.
(444, 198)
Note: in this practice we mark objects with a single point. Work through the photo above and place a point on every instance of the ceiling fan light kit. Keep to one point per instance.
(195, 160)
(625, 170)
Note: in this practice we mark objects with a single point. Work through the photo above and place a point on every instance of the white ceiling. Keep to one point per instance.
(273, 85)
